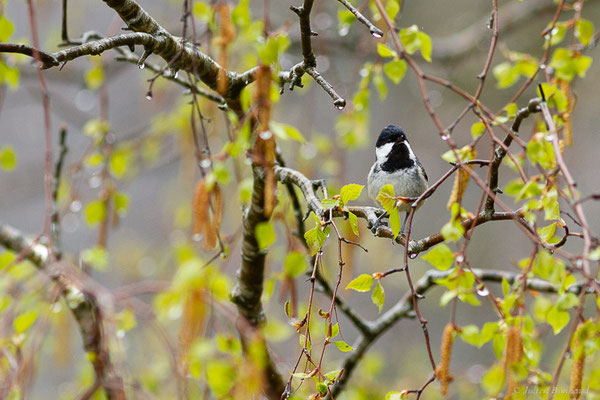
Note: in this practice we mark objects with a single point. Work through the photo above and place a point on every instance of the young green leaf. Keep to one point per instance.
(395, 70)
(23, 321)
(584, 31)
(95, 212)
(8, 159)
(294, 264)
(343, 346)
(315, 238)
(395, 222)
(265, 234)
(328, 204)
(361, 283)
(350, 192)
(385, 51)
(378, 295)
(387, 198)
(353, 221)
(441, 257)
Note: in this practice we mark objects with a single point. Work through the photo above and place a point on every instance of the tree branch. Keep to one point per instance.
(500, 152)
(82, 303)
(404, 308)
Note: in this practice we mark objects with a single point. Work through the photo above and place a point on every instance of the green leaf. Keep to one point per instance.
(94, 77)
(95, 212)
(203, 12)
(395, 222)
(395, 70)
(353, 221)
(270, 50)
(385, 51)
(120, 161)
(220, 375)
(566, 301)
(121, 203)
(361, 283)
(6, 29)
(557, 319)
(378, 296)
(584, 31)
(285, 131)
(23, 321)
(9, 75)
(493, 380)
(96, 128)
(8, 158)
(568, 64)
(96, 257)
(387, 198)
(265, 234)
(322, 388)
(412, 39)
(505, 74)
(294, 264)
(505, 287)
(477, 129)
(343, 346)
(470, 334)
(396, 396)
(315, 239)
(488, 331)
(441, 257)
(350, 192)
(330, 203)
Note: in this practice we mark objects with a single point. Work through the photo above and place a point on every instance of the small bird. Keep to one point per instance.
(396, 164)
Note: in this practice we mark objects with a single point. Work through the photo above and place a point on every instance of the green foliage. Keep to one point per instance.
(343, 346)
(441, 257)
(24, 321)
(568, 64)
(413, 39)
(361, 283)
(378, 295)
(294, 264)
(96, 257)
(388, 200)
(265, 234)
(8, 158)
(95, 212)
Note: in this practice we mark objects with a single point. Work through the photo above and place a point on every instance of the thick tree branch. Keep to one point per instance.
(248, 292)
(81, 301)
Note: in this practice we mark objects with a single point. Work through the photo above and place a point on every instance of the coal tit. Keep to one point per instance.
(396, 164)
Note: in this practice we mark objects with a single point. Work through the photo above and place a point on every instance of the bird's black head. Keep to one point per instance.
(390, 134)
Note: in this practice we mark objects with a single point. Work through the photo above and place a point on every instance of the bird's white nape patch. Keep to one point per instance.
(382, 152)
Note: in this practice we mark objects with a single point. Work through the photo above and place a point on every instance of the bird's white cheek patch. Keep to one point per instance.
(382, 152)
(411, 154)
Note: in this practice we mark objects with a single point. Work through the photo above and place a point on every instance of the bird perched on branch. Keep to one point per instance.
(397, 165)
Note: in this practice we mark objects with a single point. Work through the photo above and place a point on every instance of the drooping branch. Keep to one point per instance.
(81, 301)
